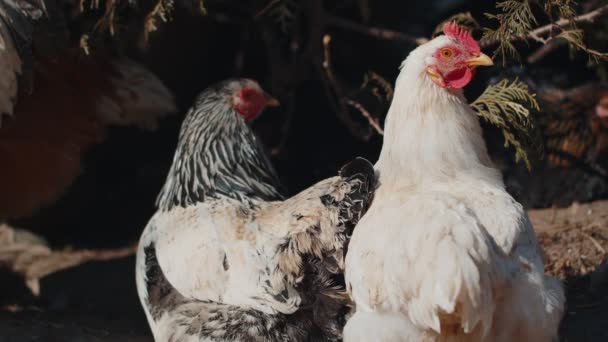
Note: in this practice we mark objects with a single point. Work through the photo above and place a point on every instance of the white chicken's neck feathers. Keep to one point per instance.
(429, 130)
(217, 155)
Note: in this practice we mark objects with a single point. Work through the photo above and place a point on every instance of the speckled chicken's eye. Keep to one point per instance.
(446, 53)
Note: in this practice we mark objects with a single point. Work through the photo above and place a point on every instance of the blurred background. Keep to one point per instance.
(330, 63)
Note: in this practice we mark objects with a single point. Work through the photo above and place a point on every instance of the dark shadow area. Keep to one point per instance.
(93, 302)
(586, 311)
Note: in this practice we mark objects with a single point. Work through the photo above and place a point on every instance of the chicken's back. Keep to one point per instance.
(174, 317)
(445, 265)
(205, 275)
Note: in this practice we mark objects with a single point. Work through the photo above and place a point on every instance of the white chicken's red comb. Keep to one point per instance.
(452, 29)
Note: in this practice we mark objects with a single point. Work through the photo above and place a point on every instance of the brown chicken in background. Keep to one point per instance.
(56, 102)
(74, 100)
(574, 123)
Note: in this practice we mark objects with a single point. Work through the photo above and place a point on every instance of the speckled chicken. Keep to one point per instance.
(225, 258)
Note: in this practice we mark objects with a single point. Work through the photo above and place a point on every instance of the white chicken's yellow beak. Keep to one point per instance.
(481, 60)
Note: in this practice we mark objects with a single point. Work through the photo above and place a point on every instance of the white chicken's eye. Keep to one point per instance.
(446, 53)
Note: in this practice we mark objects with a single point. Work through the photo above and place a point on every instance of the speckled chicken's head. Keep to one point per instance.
(453, 57)
(217, 153)
(247, 98)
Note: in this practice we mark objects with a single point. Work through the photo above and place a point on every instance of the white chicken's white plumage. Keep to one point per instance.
(444, 253)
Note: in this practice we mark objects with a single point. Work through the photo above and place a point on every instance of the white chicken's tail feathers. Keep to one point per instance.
(139, 97)
(459, 271)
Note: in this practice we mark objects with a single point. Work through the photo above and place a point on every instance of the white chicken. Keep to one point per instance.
(445, 253)
(224, 259)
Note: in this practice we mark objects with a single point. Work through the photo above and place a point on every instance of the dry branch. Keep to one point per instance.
(536, 34)
(29, 256)
(376, 32)
(333, 89)
(339, 101)
(539, 33)
(587, 17)
(372, 122)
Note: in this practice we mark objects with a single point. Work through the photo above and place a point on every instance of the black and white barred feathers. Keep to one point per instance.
(225, 258)
(218, 154)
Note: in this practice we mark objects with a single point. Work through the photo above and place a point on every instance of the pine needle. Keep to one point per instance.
(571, 32)
(515, 21)
(508, 106)
(162, 11)
(113, 14)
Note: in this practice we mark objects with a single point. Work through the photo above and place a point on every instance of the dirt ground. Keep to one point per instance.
(575, 241)
(97, 301)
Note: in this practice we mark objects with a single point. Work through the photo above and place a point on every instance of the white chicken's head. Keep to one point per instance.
(248, 98)
(451, 59)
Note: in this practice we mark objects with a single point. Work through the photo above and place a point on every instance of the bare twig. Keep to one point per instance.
(333, 89)
(38, 262)
(375, 32)
(538, 33)
(367, 115)
(588, 50)
(286, 72)
(341, 101)
(542, 51)
(28, 255)
(587, 17)
(327, 67)
(266, 8)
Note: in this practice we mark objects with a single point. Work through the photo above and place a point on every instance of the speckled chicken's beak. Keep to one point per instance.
(481, 60)
(271, 101)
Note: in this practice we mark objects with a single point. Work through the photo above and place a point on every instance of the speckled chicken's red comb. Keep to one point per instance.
(453, 30)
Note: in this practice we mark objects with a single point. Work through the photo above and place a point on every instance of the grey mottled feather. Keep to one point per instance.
(218, 155)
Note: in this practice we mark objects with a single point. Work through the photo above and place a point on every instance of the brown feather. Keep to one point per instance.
(42, 146)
